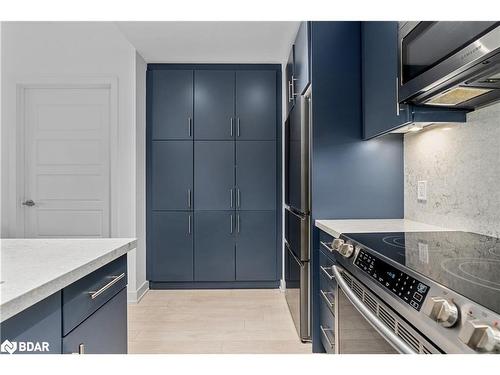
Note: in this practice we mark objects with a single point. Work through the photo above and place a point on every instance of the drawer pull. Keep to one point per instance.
(325, 245)
(330, 304)
(328, 274)
(323, 331)
(95, 294)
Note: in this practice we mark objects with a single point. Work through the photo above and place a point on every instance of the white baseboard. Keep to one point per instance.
(136, 296)
(282, 285)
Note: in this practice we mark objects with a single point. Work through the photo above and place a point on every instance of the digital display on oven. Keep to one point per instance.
(408, 289)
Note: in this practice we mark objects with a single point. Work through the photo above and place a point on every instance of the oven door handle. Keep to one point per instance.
(380, 327)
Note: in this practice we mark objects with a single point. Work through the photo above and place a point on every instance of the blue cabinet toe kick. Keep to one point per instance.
(215, 285)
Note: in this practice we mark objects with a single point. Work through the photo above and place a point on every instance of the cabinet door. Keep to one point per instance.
(214, 104)
(171, 246)
(256, 104)
(301, 71)
(256, 245)
(256, 175)
(379, 68)
(104, 332)
(172, 175)
(172, 104)
(38, 323)
(214, 175)
(214, 246)
(290, 99)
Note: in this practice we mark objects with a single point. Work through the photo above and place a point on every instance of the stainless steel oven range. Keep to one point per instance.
(413, 292)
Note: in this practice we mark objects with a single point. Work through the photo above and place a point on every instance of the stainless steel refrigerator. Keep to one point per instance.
(297, 213)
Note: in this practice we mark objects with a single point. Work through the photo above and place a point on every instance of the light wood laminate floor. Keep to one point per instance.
(213, 321)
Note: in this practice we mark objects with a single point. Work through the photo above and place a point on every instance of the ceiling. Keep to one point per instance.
(211, 42)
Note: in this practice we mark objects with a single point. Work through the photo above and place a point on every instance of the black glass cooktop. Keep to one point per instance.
(467, 263)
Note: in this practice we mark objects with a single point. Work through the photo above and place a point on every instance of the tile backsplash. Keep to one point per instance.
(461, 164)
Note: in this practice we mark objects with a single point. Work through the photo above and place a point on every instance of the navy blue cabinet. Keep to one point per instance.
(214, 175)
(214, 246)
(172, 175)
(256, 175)
(381, 110)
(172, 104)
(172, 246)
(221, 177)
(214, 109)
(104, 332)
(301, 68)
(38, 323)
(256, 245)
(256, 104)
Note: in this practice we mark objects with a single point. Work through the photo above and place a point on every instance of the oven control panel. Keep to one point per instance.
(408, 289)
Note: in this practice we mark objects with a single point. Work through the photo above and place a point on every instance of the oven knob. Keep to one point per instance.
(480, 336)
(443, 311)
(337, 243)
(346, 250)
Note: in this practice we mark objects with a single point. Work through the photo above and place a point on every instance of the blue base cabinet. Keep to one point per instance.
(224, 181)
(172, 237)
(76, 319)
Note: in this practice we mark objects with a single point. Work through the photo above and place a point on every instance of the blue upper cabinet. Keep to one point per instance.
(214, 108)
(172, 104)
(256, 105)
(301, 76)
(381, 111)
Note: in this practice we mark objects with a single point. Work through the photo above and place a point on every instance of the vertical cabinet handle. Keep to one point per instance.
(238, 127)
(231, 196)
(190, 126)
(238, 197)
(189, 198)
(231, 127)
(289, 91)
(292, 85)
(231, 231)
(397, 96)
(238, 223)
(189, 224)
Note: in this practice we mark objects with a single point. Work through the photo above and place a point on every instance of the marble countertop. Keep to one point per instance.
(33, 269)
(336, 227)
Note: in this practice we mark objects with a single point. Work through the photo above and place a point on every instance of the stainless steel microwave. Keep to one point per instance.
(449, 63)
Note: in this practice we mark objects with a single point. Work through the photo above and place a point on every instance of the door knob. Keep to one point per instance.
(28, 203)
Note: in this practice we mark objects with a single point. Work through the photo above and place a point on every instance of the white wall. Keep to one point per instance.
(461, 164)
(65, 52)
(140, 286)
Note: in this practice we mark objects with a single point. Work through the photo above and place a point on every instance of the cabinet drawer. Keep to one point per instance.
(83, 297)
(327, 327)
(103, 332)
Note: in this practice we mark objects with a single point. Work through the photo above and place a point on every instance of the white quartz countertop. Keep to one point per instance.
(336, 227)
(33, 269)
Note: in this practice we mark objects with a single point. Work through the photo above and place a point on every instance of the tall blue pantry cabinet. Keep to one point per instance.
(213, 175)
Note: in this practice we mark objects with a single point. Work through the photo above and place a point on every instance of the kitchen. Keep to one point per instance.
(271, 198)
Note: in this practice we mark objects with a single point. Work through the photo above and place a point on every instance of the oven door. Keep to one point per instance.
(363, 321)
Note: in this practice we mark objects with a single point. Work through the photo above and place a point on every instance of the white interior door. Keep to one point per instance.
(67, 162)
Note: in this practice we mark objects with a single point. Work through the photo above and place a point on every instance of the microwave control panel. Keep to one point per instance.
(406, 288)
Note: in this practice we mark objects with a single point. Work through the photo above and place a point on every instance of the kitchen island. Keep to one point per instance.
(64, 295)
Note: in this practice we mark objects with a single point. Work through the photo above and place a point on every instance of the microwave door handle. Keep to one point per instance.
(380, 327)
